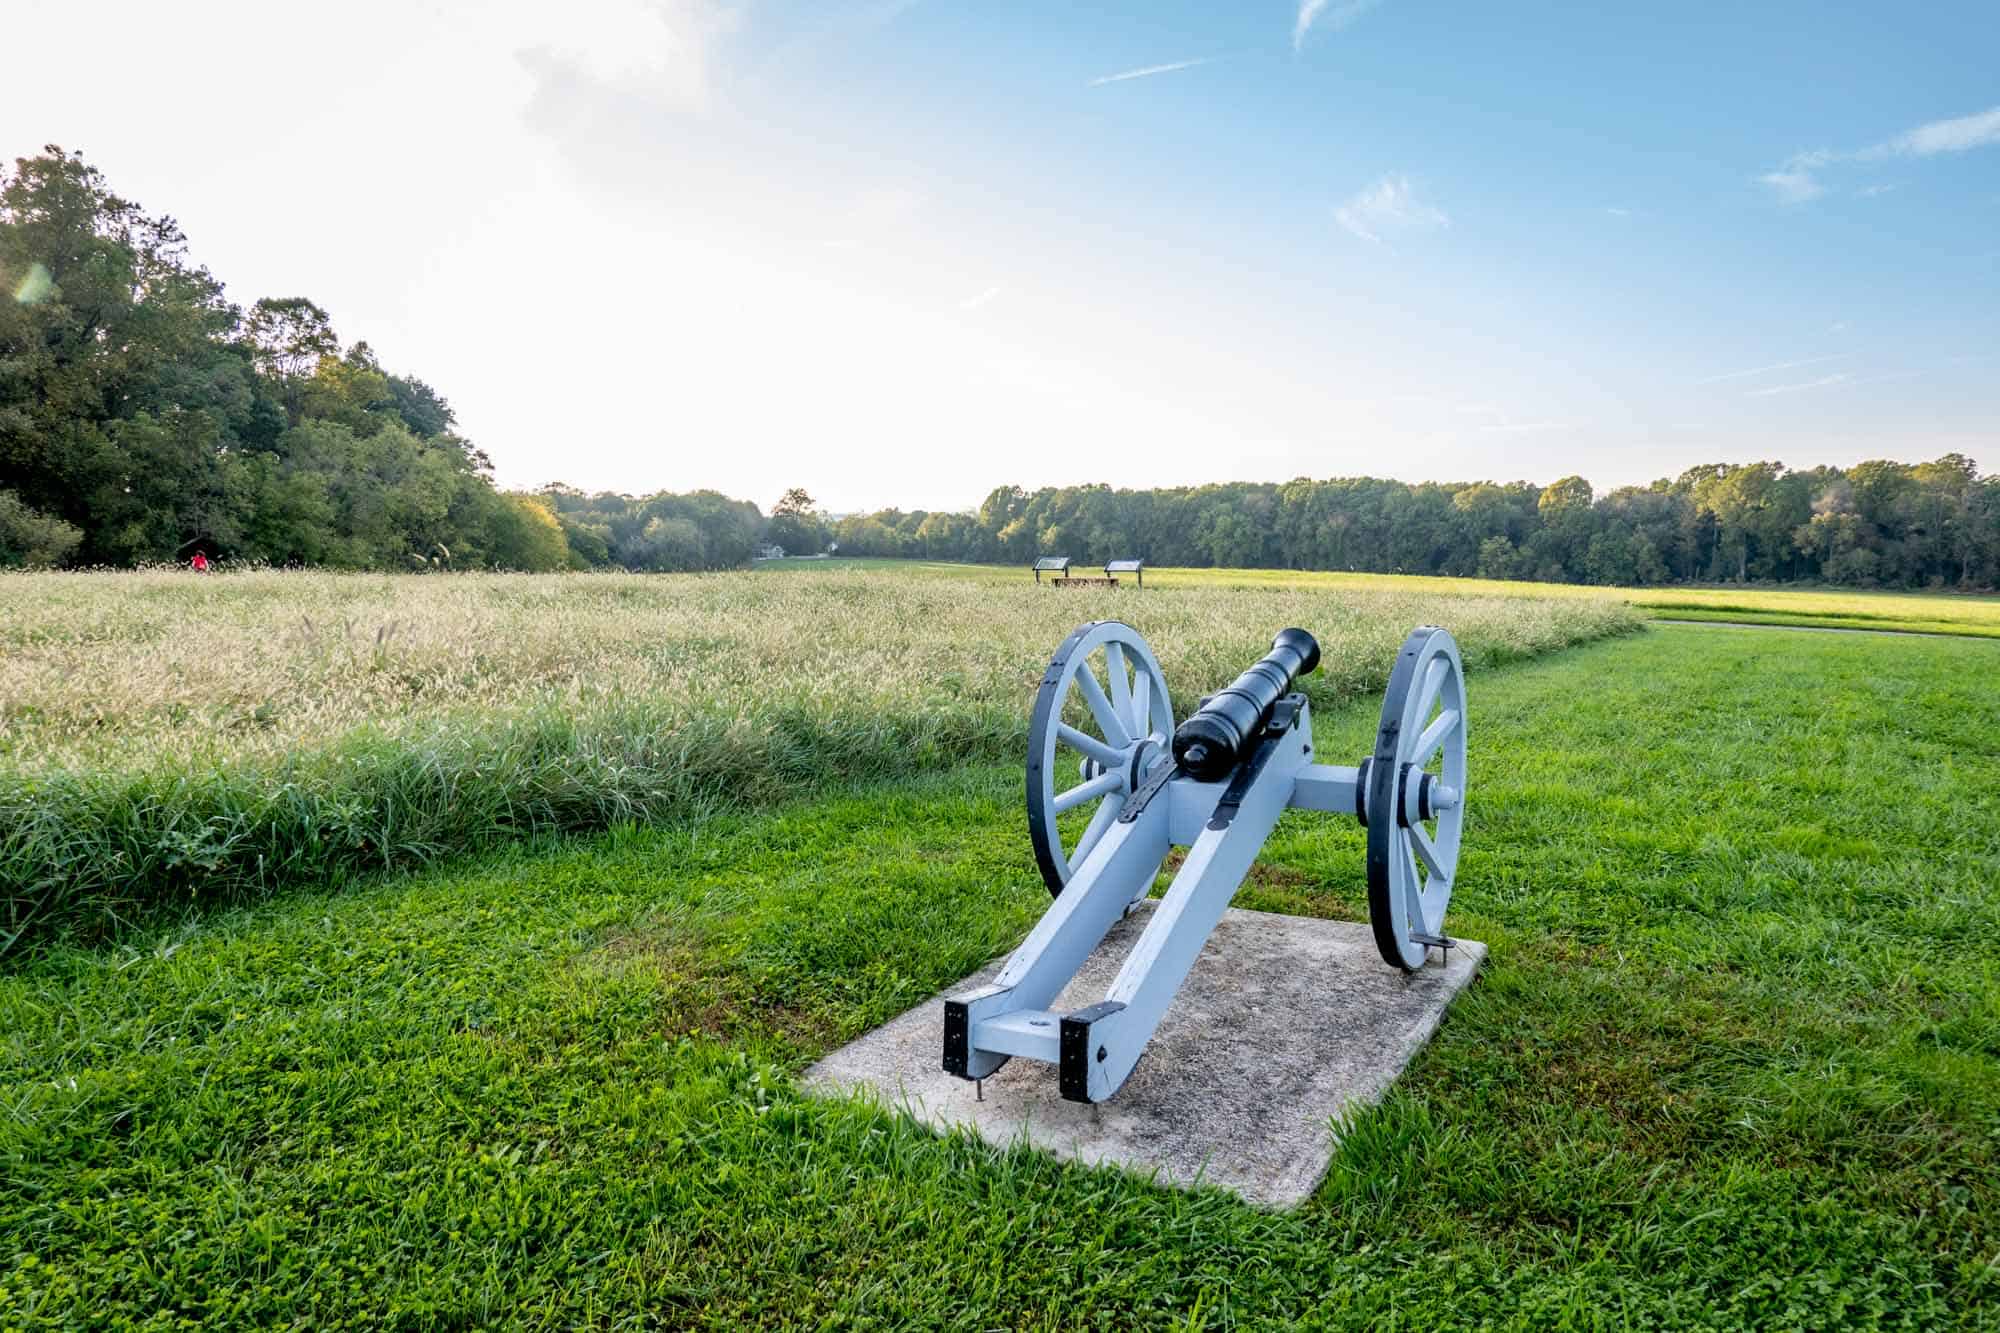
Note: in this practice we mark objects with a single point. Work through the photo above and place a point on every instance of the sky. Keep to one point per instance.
(899, 252)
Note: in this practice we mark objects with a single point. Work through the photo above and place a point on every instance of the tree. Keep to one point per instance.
(1568, 495)
(288, 338)
(38, 541)
(795, 525)
(141, 410)
(421, 407)
(116, 382)
(526, 536)
(1736, 495)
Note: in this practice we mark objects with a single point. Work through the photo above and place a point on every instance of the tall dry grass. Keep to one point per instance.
(167, 738)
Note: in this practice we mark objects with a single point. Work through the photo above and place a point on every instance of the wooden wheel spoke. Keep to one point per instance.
(1413, 889)
(1427, 852)
(1090, 746)
(1434, 678)
(1121, 684)
(1101, 785)
(1100, 824)
(1107, 717)
(1140, 714)
(1435, 735)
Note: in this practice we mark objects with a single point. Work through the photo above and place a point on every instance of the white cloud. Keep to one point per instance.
(1388, 205)
(1150, 70)
(1619, 212)
(660, 51)
(1951, 136)
(1334, 16)
(974, 302)
(1782, 365)
(1795, 183)
(1795, 388)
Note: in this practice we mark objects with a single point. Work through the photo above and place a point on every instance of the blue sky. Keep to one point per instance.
(900, 252)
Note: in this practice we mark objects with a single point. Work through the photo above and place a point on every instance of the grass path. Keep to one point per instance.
(1718, 622)
(1735, 1060)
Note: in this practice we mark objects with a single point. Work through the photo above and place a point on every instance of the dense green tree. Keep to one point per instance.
(35, 540)
(1936, 522)
(146, 415)
(795, 524)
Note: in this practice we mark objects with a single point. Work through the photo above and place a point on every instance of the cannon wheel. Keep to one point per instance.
(1414, 797)
(1104, 702)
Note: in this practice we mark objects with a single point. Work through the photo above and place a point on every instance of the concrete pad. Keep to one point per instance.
(1284, 1022)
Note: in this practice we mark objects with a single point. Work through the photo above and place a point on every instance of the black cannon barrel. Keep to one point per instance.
(1211, 742)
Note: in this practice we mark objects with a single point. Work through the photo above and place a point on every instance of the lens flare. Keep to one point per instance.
(35, 288)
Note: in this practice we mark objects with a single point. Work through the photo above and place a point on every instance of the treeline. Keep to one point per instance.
(144, 417)
(1878, 524)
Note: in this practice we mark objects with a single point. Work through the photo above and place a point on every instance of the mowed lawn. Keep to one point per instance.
(1734, 1060)
(1973, 614)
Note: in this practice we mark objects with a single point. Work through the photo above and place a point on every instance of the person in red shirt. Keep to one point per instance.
(200, 563)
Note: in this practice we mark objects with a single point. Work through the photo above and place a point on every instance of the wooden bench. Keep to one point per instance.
(1077, 581)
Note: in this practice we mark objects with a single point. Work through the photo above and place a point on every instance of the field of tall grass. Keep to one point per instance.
(1975, 615)
(171, 740)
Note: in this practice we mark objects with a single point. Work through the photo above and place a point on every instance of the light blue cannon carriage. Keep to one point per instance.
(1216, 786)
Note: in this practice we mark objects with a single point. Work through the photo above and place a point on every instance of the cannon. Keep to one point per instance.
(1216, 785)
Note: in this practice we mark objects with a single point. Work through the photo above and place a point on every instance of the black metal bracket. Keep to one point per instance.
(958, 1031)
(1148, 789)
(1442, 942)
(1074, 1050)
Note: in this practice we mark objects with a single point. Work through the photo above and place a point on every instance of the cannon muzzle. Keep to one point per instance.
(1215, 739)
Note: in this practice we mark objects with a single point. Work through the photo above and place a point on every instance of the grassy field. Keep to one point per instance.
(1735, 1060)
(168, 740)
(1919, 613)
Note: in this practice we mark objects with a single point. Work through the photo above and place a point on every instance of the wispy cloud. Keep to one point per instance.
(1797, 388)
(1794, 185)
(1151, 70)
(1328, 15)
(974, 302)
(1389, 205)
(1619, 212)
(1796, 182)
(1950, 136)
(1890, 375)
(1765, 370)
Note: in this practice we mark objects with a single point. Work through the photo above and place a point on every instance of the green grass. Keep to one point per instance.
(1974, 614)
(169, 741)
(1734, 1061)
